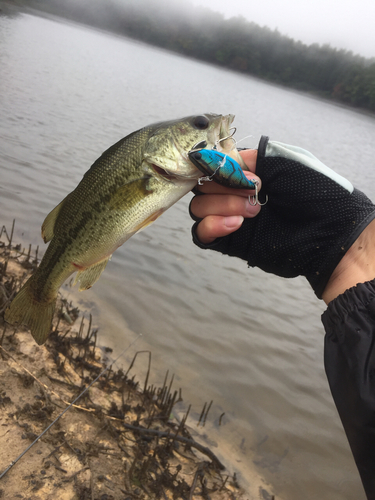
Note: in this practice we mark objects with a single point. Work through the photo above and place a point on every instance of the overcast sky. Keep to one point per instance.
(347, 24)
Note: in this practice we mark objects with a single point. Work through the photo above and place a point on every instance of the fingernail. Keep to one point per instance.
(250, 208)
(233, 221)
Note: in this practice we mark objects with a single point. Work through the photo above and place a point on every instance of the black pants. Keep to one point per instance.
(350, 366)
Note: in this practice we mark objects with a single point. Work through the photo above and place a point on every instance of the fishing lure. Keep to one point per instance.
(220, 168)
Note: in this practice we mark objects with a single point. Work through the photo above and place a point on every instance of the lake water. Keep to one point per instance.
(251, 342)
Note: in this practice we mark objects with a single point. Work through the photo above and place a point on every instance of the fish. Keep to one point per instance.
(126, 189)
(220, 167)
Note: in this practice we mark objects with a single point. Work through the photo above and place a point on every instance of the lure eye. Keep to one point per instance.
(197, 155)
(201, 122)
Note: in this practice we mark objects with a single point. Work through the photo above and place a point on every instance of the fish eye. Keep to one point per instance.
(201, 122)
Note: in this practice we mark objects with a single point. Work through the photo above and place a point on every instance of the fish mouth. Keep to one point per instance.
(186, 171)
(218, 137)
(226, 132)
(225, 126)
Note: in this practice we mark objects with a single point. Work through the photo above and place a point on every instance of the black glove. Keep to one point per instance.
(311, 219)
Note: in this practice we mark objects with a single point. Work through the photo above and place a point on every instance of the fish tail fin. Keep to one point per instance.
(28, 311)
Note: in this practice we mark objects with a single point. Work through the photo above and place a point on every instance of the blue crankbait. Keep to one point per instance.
(220, 168)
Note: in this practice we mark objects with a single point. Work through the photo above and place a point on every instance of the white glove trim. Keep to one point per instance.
(304, 157)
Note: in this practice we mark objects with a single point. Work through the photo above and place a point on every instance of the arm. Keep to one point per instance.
(357, 265)
(311, 221)
(226, 223)
(224, 211)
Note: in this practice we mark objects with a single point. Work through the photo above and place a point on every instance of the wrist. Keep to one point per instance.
(357, 265)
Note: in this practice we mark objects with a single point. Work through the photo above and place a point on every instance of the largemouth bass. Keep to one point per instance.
(125, 190)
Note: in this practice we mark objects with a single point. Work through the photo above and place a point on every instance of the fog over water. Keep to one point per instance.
(345, 25)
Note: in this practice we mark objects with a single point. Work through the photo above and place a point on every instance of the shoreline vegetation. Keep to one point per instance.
(236, 44)
(121, 440)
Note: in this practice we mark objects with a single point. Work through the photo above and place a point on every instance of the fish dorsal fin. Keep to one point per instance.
(90, 275)
(48, 225)
(130, 194)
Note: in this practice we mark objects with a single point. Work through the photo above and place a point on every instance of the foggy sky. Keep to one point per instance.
(346, 24)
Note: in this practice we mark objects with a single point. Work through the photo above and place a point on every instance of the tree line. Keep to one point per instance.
(235, 43)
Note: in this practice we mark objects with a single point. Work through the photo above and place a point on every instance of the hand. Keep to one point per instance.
(223, 209)
(312, 218)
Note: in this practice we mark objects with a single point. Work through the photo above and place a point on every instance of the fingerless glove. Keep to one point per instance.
(311, 219)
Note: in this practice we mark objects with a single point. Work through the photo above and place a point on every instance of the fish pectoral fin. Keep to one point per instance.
(152, 218)
(90, 275)
(129, 194)
(48, 225)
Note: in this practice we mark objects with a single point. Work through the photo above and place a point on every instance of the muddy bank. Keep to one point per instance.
(120, 440)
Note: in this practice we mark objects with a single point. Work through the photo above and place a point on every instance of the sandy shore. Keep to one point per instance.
(119, 441)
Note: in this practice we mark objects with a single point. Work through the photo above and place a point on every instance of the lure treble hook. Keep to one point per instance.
(254, 199)
(230, 136)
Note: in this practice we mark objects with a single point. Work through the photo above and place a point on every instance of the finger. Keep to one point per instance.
(223, 205)
(215, 226)
(249, 156)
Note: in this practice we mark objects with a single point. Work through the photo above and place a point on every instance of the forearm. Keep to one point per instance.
(357, 265)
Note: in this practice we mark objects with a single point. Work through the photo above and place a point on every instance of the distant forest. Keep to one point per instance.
(234, 43)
